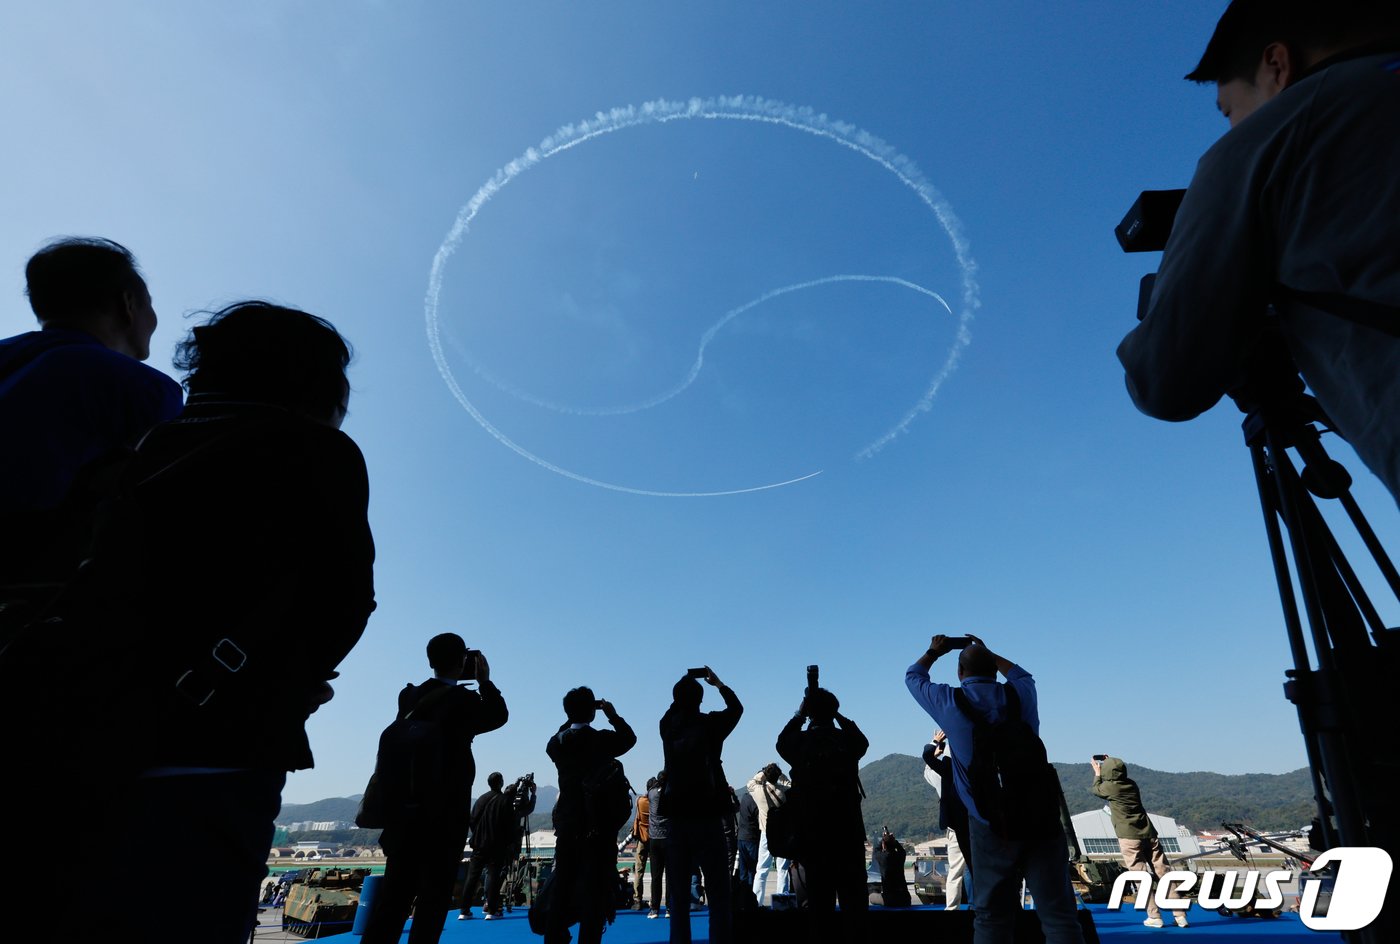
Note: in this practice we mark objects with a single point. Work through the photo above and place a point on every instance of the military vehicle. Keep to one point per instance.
(322, 902)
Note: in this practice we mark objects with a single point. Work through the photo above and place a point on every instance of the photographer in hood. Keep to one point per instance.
(1296, 207)
(1137, 837)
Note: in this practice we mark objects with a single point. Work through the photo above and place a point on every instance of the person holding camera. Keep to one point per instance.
(1296, 207)
(952, 818)
(584, 883)
(696, 800)
(495, 840)
(422, 851)
(1137, 837)
(825, 758)
(1011, 797)
(768, 788)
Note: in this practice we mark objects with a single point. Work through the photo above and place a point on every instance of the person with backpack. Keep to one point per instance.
(825, 759)
(425, 772)
(1001, 773)
(659, 832)
(594, 803)
(767, 788)
(697, 800)
(641, 832)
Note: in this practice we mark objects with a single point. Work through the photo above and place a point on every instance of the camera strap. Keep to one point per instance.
(1373, 315)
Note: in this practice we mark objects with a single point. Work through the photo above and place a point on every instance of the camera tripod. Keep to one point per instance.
(519, 886)
(1347, 704)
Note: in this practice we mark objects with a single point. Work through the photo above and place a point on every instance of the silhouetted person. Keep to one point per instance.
(74, 399)
(825, 759)
(231, 577)
(747, 835)
(1291, 223)
(888, 859)
(696, 800)
(659, 829)
(641, 832)
(952, 819)
(584, 884)
(494, 838)
(422, 852)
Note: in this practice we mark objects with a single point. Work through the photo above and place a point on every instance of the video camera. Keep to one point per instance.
(1145, 228)
(523, 801)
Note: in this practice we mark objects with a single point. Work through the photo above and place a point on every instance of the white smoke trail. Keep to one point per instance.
(732, 108)
(699, 362)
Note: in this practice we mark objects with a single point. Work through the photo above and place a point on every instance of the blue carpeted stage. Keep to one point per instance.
(929, 923)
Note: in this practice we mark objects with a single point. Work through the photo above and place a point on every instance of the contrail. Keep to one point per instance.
(731, 108)
(699, 362)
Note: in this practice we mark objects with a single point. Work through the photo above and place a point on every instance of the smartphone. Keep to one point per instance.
(1100, 757)
(959, 642)
(812, 676)
(469, 667)
(699, 673)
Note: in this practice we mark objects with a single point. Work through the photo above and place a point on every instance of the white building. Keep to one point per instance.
(1094, 833)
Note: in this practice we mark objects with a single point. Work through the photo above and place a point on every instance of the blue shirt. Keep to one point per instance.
(986, 696)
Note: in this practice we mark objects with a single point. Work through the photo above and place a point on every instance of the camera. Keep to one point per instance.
(1100, 757)
(959, 642)
(523, 795)
(1145, 228)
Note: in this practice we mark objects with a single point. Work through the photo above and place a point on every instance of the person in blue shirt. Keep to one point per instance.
(1002, 863)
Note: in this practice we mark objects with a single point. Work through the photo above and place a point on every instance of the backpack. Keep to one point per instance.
(409, 784)
(1010, 773)
(607, 799)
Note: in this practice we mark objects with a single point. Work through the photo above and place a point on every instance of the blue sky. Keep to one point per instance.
(319, 153)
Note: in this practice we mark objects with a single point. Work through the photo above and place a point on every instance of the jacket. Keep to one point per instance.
(767, 794)
(1299, 206)
(1130, 820)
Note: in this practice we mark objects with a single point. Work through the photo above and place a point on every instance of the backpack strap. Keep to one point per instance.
(430, 700)
(1012, 708)
(1013, 701)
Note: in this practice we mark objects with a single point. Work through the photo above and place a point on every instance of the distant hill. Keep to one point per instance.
(342, 809)
(897, 796)
(334, 809)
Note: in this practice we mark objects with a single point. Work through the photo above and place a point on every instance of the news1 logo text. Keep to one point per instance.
(1358, 875)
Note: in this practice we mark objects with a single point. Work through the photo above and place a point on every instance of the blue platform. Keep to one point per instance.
(633, 927)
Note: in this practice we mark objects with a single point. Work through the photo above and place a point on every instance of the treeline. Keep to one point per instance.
(897, 796)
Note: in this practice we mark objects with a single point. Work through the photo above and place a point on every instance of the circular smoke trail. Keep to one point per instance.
(734, 108)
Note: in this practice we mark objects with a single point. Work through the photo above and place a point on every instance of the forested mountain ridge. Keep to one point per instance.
(897, 796)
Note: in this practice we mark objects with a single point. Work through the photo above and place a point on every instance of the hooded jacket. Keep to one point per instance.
(1130, 820)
